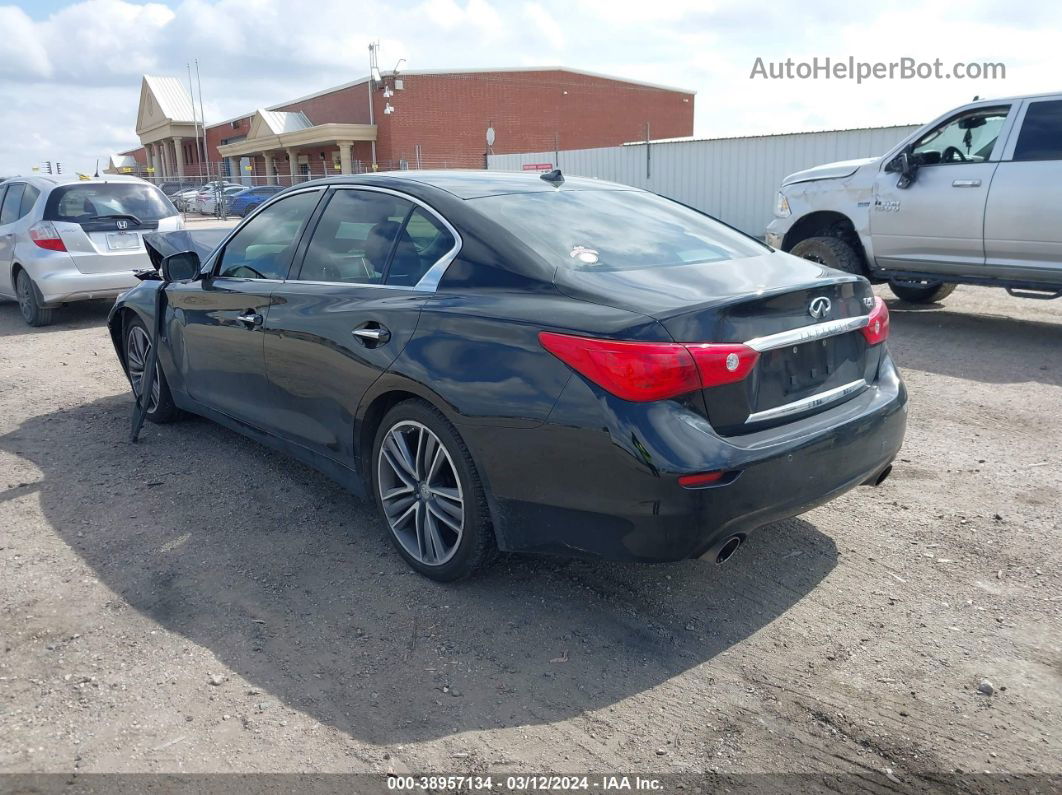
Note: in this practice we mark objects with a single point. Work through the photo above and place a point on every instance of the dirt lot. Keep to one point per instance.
(196, 603)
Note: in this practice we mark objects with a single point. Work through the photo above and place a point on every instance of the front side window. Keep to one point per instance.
(1041, 132)
(354, 239)
(262, 248)
(88, 202)
(614, 230)
(968, 138)
(12, 202)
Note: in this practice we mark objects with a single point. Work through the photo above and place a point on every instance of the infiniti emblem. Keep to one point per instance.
(122, 224)
(819, 307)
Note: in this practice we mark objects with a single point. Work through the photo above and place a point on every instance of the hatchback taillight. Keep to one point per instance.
(877, 328)
(647, 371)
(45, 235)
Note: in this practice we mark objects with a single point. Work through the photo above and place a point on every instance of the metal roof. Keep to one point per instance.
(174, 101)
(281, 122)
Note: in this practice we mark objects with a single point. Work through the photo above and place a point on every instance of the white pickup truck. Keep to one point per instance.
(974, 197)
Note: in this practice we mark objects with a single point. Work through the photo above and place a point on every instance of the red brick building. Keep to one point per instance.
(436, 119)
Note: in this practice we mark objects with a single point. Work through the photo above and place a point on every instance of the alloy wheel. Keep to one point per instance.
(138, 347)
(421, 493)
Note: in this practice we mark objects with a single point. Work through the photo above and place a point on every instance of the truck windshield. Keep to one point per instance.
(81, 203)
(611, 230)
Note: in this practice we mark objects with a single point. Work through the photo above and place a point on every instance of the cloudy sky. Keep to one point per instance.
(70, 71)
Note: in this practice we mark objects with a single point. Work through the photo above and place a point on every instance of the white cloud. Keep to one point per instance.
(70, 87)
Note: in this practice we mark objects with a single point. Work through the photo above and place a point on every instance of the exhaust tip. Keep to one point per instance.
(878, 479)
(730, 546)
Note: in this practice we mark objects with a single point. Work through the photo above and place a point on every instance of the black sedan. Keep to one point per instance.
(537, 364)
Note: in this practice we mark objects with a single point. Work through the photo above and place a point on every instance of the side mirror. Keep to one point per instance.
(180, 267)
(906, 166)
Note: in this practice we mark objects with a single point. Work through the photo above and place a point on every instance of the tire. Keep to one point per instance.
(137, 345)
(29, 301)
(248, 210)
(921, 292)
(423, 523)
(831, 252)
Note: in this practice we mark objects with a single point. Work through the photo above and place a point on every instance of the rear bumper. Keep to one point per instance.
(604, 484)
(63, 286)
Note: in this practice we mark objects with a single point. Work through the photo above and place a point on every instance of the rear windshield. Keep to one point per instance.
(81, 203)
(615, 230)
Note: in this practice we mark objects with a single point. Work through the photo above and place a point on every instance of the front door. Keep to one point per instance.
(1023, 221)
(349, 309)
(220, 320)
(936, 224)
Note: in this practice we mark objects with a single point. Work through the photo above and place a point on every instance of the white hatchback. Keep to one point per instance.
(66, 239)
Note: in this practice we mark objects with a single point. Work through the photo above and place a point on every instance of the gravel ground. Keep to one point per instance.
(196, 603)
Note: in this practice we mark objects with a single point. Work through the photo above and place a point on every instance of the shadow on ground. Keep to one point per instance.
(292, 584)
(78, 315)
(991, 349)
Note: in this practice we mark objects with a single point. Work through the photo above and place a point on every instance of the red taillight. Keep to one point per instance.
(45, 235)
(647, 371)
(700, 479)
(877, 328)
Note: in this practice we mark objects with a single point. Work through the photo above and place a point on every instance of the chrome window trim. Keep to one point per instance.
(798, 336)
(805, 404)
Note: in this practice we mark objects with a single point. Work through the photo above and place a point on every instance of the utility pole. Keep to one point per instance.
(200, 153)
(374, 71)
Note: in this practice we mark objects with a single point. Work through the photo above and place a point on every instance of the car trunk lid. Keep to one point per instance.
(802, 318)
(110, 244)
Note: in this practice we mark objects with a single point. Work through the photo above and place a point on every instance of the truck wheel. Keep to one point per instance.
(831, 252)
(920, 292)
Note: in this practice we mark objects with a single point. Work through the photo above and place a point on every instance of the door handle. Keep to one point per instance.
(966, 183)
(250, 319)
(372, 336)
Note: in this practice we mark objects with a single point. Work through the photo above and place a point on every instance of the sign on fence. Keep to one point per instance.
(538, 166)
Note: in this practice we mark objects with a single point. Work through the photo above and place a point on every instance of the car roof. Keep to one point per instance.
(48, 181)
(472, 184)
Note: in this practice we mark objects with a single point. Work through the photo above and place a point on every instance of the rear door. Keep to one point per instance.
(1023, 220)
(350, 307)
(936, 225)
(220, 320)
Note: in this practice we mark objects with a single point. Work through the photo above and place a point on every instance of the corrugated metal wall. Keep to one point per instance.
(734, 179)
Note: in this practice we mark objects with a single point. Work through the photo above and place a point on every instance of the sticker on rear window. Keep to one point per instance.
(585, 255)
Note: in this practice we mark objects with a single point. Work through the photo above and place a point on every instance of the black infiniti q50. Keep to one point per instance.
(511, 362)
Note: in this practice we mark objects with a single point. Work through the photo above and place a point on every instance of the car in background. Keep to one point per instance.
(545, 365)
(970, 198)
(206, 201)
(248, 201)
(65, 239)
(171, 189)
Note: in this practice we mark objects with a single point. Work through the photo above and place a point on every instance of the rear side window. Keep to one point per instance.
(81, 203)
(1041, 132)
(354, 238)
(262, 248)
(424, 242)
(614, 230)
(29, 198)
(9, 210)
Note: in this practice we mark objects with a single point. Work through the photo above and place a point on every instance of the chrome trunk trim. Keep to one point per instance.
(808, 403)
(798, 336)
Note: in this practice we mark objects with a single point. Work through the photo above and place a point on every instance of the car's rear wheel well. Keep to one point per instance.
(370, 423)
(826, 224)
